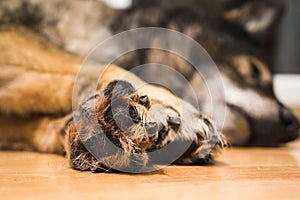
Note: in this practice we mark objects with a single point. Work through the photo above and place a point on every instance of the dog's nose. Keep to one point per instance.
(288, 118)
(291, 124)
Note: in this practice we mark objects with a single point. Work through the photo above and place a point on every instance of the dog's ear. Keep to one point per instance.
(257, 17)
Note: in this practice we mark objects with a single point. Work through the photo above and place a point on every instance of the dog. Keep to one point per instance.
(254, 114)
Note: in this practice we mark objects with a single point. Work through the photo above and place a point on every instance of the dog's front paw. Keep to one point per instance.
(112, 131)
(121, 128)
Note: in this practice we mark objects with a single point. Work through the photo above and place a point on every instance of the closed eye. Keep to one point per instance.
(255, 73)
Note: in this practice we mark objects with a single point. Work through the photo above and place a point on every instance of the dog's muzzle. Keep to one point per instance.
(290, 123)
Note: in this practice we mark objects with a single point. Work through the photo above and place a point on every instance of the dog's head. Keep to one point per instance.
(254, 114)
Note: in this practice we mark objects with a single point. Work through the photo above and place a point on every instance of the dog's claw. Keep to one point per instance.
(174, 122)
(144, 100)
(152, 129)
(134, 114)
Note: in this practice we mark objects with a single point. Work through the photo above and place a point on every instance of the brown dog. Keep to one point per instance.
(255, 116)
(35, 102)
(237, 43)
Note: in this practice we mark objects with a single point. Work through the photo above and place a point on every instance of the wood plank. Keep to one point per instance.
(261, 173)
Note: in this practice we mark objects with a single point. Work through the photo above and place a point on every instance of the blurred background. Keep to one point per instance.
(287, 57)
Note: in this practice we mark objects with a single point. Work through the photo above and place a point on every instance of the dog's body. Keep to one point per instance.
(35, 115)
(255, 116)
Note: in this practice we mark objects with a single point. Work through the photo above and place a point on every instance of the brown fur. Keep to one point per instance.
(35, 95)
(25, 64)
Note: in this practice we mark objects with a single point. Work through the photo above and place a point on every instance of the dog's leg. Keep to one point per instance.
(43, 134)
(25, 92)
(35, 76)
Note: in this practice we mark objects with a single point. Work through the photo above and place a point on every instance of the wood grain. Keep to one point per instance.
(241, 173)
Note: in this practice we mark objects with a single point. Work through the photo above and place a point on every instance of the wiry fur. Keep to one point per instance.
(132, 137)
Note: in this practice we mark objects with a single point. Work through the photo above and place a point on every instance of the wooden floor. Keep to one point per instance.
(241, 173)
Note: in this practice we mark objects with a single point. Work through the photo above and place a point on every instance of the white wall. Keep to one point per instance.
(287, 88)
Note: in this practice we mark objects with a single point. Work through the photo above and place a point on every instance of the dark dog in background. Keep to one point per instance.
(235, 41)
